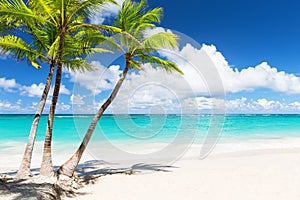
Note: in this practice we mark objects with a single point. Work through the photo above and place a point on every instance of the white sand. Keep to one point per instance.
(255, 174)
(238, 171)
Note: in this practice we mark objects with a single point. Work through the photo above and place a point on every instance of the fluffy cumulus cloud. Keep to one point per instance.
(35, 90)
(8, 84)
(76, 99)
(19, 107)
(15, 107)
(207, 78)
(101, 79)
(251, 78)
(108, 10)
(262, 105)
(4, 105)
(150, 90)
(211, 64)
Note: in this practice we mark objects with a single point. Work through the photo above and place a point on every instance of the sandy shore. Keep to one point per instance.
(250, 173)
(264, 174)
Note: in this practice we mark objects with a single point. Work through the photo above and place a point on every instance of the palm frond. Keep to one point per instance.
(18, 48)
(136, 65)
(78, 64)
(86, 8)
(133, 19)
(44, 6)
(53, 50)
(98, 27)
(159, 63)
(159, 41)
(20, 11)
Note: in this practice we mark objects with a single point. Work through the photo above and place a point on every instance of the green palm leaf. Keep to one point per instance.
(160, 40)
(19, 49)
(159, 63)
(134, 20)
(20, 11)
(44, 6)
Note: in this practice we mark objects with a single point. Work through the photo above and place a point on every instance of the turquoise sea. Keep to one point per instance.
(154, 128)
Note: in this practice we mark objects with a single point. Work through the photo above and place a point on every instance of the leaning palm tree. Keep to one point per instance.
(69, 17)
(37, 21)
(134, 21)
(27, 23)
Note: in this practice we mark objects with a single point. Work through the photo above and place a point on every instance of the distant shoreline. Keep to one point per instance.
(229, 114)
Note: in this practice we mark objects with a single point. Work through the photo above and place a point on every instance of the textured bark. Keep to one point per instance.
(69, 167)
(47, 166)
(24, 170)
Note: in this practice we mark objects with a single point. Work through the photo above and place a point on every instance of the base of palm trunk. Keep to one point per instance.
(68, 183)
(47, 171)
(23, 174)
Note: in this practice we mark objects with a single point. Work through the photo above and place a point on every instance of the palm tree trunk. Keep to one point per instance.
(69, 167)
(47, 166)
(24, 170)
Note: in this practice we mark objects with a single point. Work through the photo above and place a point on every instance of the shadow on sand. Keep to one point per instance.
(87, 173)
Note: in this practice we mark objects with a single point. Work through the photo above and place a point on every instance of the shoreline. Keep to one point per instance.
(257, 174)
(62, 151)
(255, 171)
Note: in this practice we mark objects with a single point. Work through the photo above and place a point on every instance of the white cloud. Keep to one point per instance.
(63, 90)
(19, 107)
(109, 10)
(6, 106)
(37, 90)
(262, 105)
(62, 107)
(76, 99)
(19, 102)
(34, 90)
(206, 73)
(233, 80)
(8, 84)
(97, 81)
(252, 78)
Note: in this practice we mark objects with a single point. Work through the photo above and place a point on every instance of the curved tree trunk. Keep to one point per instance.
(24, 170)
(46, 166)
(69, 167)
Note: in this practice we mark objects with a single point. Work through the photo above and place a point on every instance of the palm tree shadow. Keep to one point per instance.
(92, 170)
(87, 172)
(23, 189)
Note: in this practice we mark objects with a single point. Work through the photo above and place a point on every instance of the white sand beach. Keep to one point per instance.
(266, 175)
(244, 173)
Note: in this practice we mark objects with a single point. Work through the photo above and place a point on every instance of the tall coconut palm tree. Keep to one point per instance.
(69, 17)
(133, 20)
(16, 17)
(38, 21)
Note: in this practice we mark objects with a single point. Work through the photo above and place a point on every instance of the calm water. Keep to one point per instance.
(154, 128)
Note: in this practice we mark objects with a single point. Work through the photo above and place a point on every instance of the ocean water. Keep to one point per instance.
(154, 128)
(128, 140)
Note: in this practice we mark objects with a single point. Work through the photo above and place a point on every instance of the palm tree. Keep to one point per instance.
(70, 19)
(27, 23)
(133, 20)
(31, 21)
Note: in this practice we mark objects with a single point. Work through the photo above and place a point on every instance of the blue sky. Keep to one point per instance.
(246, 32)
(237, 34)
